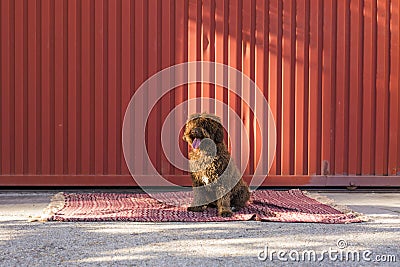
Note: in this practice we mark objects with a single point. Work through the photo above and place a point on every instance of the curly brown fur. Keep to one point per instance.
(210, 163)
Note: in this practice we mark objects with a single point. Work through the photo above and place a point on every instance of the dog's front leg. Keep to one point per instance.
(198, 199)
(195, 203)
(224, 206)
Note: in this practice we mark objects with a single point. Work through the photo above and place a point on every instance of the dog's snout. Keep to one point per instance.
(196, 132)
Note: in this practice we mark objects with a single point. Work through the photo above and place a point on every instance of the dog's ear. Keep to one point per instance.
(185, 137)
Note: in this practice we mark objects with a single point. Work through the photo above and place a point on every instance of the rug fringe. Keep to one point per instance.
(330, 202)
(57, 202)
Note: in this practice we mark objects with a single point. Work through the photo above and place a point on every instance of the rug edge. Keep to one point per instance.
(57, 203)
(342, 208)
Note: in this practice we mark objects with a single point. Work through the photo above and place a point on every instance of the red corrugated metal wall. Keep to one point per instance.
(329, 69)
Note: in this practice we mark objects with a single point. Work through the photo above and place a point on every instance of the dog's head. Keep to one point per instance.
(200, 126)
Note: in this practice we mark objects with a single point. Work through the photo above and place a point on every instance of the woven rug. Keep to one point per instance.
(264, 205)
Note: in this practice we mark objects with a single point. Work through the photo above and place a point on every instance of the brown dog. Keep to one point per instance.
(214, 175)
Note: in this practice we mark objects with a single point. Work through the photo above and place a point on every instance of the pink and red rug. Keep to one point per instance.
(264, 205)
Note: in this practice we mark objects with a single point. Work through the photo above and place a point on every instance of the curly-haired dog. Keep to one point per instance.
(215, 178)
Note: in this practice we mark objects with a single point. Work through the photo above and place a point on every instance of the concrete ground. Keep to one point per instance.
(376, 243)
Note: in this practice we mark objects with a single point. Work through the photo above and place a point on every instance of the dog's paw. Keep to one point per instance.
(197, 208)
(225, 213)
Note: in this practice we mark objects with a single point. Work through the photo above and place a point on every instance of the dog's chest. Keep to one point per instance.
(203, 167)
(205, 179)
(199, 162)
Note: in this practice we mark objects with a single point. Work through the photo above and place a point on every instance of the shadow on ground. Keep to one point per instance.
(182, 244)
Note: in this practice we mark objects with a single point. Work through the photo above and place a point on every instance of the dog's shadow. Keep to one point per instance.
(273, 206)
